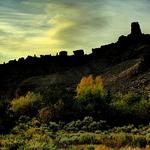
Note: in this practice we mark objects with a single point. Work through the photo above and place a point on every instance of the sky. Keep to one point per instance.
(40, 27)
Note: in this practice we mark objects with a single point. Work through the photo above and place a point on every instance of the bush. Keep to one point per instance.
(94, 126)
(47, 114)
(6, 117)
(121, 111)
(86, 125)
(27, 105)
(117, 139)
(87, 120)
(53, 126)
(90, 147)
(140, 141)
(88, 84)
(88, 139)
(73, 126)
(130, 108)
(131, 98)
(142, 110)
(91, 97)
(90, 125)
(89, 89)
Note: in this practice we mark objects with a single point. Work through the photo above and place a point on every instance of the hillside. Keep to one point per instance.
(123, 65)
(121, 77)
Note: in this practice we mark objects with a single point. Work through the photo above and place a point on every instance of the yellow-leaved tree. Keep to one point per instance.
(91, 96)
(91, 85)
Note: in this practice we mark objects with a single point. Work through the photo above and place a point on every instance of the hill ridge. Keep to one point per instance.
(135, 46)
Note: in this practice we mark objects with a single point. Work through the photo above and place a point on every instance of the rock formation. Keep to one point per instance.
(135, 29)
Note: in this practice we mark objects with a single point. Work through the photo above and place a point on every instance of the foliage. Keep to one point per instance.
(27, 105)
(6, 117)
(53, 126)
(88, 84)
(28, 136)
(42, 124)
(130, 108)
(87, 124)
(91, 97)
(46, 114)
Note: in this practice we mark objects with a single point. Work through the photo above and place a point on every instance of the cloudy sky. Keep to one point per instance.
(29, 27)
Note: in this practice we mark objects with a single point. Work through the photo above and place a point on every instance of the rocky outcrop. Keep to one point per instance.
(127, 47)
(135, 29)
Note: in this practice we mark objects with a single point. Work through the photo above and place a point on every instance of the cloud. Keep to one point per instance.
(73, 24)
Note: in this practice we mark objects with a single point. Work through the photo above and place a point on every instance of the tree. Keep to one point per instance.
(91, 96)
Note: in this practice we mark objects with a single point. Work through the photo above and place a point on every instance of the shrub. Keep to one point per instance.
(6, 117)
(91, 97)
(53, 126)
(27, 105)
(35, 122)
(88, 139)
(140, 141)
(87, 120)
(121, 106)
(11, 143)
(64, 142)
(23, 119)
(117, 139)
(142, 110)
(86, 125)
(47, 114)
(90, 147)
(88, 86)
(131, 98)
(90, 125)
(94, 126)
(73, 126)
(130, 108)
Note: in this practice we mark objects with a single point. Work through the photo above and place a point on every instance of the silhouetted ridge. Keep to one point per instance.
(134, 45)
(127, 47)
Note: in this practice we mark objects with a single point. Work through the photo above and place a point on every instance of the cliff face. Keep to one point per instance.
(136, 45)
